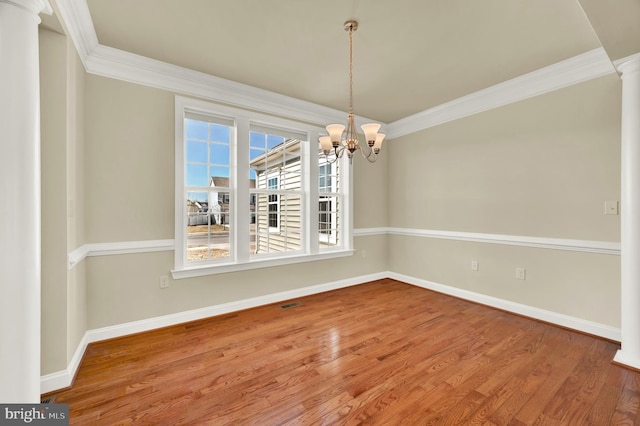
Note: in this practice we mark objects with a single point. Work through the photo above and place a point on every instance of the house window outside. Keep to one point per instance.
(228, 159)
(329, 200)
(274, 206)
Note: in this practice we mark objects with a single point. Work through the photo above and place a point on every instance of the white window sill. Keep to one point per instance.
(222, 268)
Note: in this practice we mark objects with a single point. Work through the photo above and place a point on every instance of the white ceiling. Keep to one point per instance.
(410, 55)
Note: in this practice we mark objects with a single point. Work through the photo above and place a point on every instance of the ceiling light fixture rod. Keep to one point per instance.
(350, 143)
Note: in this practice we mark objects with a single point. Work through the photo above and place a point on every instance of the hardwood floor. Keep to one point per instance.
(382, 353)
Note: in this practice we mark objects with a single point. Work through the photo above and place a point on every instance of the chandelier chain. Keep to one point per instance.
(350, 70)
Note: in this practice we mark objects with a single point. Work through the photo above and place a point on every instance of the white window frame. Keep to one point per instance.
(240, 257)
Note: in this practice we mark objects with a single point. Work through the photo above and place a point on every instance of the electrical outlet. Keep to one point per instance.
(164, 281)
(521, 274)
(363, 254)
(611, 207)
(475, 266)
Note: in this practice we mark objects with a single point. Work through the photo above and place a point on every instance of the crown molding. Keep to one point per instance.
(125, 66)
(121, 65)
(628, 64)
(76, 20)
(118, 64)
(589, 65)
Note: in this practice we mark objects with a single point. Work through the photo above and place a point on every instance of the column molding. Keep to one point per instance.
(33, 6)
(20, 190)
(629, 354)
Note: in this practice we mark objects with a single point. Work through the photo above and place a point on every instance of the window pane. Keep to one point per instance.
(207, 225)
(273, 141)
(195, 129)
(328, 220)
(255, 152)
(220, 133)
(276, 166)
(257, 140)
(329, 201)
(196, 151)
(207, 160)
(278, 226)
(219, 154)
(196, 175)
(219, 171)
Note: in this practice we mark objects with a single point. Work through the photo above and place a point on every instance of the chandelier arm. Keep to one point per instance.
(370, 156)
(326, 158)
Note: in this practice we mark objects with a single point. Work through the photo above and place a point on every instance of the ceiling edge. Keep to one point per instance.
(114, 63)
(592, 64)
(76, 20)
(620, 63)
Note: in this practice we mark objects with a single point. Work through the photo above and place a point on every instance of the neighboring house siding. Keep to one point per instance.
(287, 235)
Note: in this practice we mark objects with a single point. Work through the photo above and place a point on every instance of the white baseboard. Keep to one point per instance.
(63, 379)
(562, 320)
(624, 358)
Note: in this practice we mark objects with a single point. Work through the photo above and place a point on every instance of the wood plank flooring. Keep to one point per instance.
(381, 353)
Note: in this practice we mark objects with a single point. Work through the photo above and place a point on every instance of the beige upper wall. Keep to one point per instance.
(53, 101)
(541, 167)
(129, 161)
(75, 148)
(129, 166)
(76, 278)
(370, 191)
(63, 316)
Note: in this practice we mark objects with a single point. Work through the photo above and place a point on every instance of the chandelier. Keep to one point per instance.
(334, 142)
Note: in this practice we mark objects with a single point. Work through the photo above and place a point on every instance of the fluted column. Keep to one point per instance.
(20, 198)
(629, 354)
